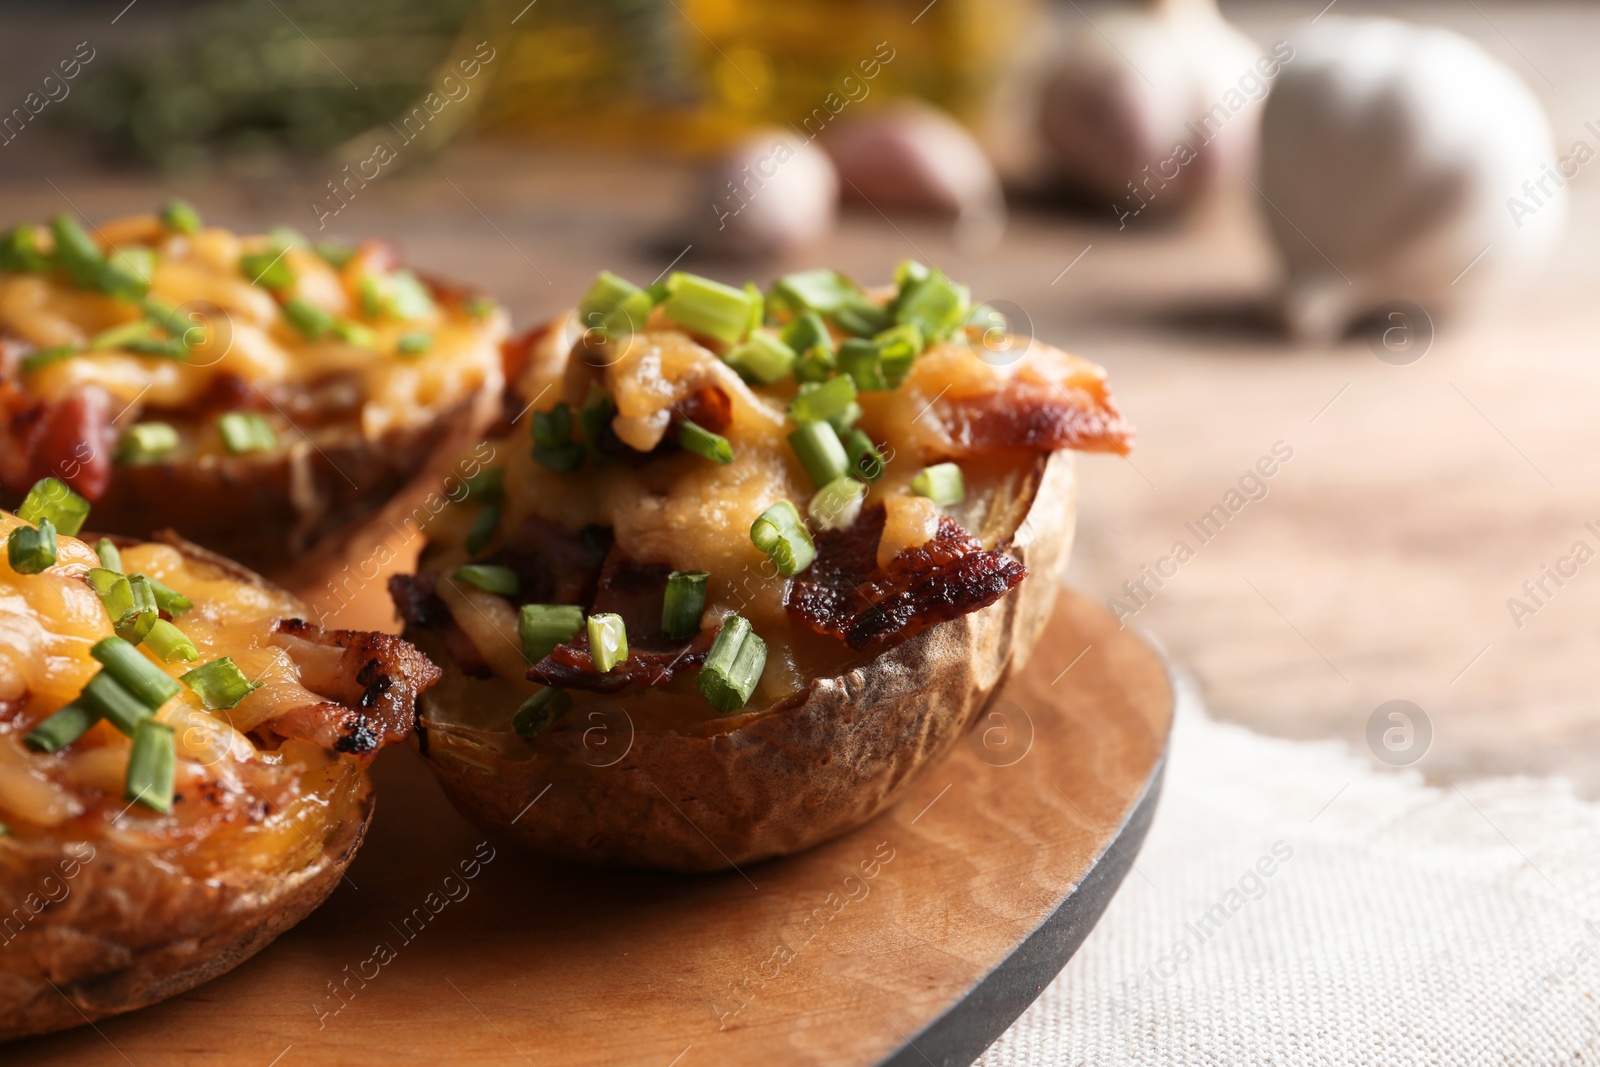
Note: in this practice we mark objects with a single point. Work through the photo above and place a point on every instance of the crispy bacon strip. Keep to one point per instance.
(1038, 417)
(70, 440)
(372, 681)
(419, 605)
(845, 594)
(571, 667)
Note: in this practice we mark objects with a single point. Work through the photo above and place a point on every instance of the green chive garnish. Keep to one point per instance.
(150, 767)
(488, 484)
(21, 252)
(544, 626)
(408, 298)
(135, 624)
(820, 451)
(861, 360)
(821, 402)
(62, 728)
(169, 599)
(110, 699)
(929, 302)
(702, 442)
(608, 641)
(46, 356)
(837, 505)
(489, 578)
(898, 349)
(614, 305)
(940, 483)
(334, 254)
(866, 462)
(311, 321)
(784, 538)
(483, 528)
(31, 549)
(268, 268)
(685, 602)
(354, 333)
(553, 445)
(146, 442)
(119, 336)
(414, 344)
(539, 711)
(763, 359)
(170, 643)
(110, 558)
(823, 290)
(707, 307)
(51, 499)
(136, 674)
(733, 666)
(219, 684)
(114, 590)
(180, 216)
(89, 267)
(246, 431)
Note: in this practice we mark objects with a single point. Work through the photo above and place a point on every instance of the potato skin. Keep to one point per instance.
(129, 932)
(805, 770)
(270, 512)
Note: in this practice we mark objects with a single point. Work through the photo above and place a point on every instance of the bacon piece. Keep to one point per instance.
(709, 407)
(420, 606)
(652, 662)
(1038, 417)
(845, 594)
(372, 681)
(553, 564)
(70, 440)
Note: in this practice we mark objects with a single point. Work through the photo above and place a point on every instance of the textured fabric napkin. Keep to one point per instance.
(1294, 905)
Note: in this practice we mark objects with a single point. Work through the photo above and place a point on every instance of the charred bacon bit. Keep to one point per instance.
(71, 440)
(1037, 417)
(553, 564)
(649, 663)
(420, 606)
(845, 594)
(372, 679)
(634, 591)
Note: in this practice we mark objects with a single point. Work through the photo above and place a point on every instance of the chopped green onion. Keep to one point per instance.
(844, 421)
(908, 272)
(702, 442)
(119, 336)
(268, 268)
(489, 578)
(539, 711)
(21, 252)
(150, 767)
(488, 484)
(544, 626)
(134, 672)
(407, 298)
(175, 348)
(219, 684)
(354, 333)
(180, 216)
(46, 356)
(707, 307)
(287, 237)
(940, 483)
(138, 262)
(562, 458)
(110, 699)
(733, 666)
(784, 538)
(146, 442)
(758, 306)
(837, 505)
(177, 325)
(808, 336)
(414, 344)
(334, 254)
(51, 499)
(823, 456)
(685, 602)
(113, 589)
(89, 267)
(763, 359)
(31, 549)
(819, 402)
(553, 445)
(866, 462)
(479, 307)
(246, 431)
(823, 290)
(608, 641)
(169, 599)
(135, 623)
(862, 319)
(63, 727)
(483, 528)
(110, 558)
(898, 349)
(312, 322)
(593, 419)
(861, 360)
(614, 305)
(930, 303)
(170, 643)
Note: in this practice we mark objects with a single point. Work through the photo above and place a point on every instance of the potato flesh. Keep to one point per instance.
(243, 807)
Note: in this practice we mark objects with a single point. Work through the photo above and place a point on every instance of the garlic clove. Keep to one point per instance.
(769, 194)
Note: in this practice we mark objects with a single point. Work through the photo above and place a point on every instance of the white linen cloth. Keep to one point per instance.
(1400, 924)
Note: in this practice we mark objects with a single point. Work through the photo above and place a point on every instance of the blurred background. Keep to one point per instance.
(1364, 251)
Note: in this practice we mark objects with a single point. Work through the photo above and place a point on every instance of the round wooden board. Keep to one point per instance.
(914, 940)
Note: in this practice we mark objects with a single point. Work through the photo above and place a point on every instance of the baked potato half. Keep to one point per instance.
(182, 763)
(751, 561)
(260, 394)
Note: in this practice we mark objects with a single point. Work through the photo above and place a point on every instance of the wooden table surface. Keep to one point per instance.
(1418, 498)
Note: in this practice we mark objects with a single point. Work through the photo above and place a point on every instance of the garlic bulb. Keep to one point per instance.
(770, 193)
(1152, 108)
(1401, 162)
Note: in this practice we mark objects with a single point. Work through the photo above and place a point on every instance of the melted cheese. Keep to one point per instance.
(241, 805)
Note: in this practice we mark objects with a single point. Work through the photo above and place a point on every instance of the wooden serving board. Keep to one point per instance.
(914, 940)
